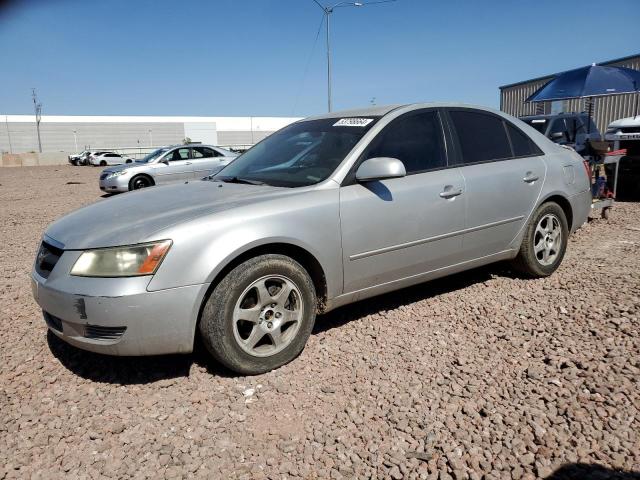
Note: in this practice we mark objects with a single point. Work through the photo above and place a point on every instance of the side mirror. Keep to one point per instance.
(165, 161)
(380, 168)
(557, 136)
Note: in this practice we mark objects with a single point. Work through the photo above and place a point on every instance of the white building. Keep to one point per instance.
(62, 133)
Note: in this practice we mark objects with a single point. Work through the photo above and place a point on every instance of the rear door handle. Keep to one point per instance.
(188, 163)
(530, 177)
(450, 192)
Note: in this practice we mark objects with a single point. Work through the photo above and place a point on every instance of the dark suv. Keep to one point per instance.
(572, 129)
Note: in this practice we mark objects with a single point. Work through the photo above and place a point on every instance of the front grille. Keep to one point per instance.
(103, 176)
(52, 321)
(48, 256)
(630, 129)
(97, 332)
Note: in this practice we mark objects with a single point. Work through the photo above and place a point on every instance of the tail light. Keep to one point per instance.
(587, 169)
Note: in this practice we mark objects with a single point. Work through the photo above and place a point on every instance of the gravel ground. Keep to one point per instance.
(481, 375)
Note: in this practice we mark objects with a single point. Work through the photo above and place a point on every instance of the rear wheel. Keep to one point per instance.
(128, 161)
(545, 241)
(260, 315)
(140, 181)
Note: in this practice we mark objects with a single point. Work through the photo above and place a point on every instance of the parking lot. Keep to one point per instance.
(480, 374)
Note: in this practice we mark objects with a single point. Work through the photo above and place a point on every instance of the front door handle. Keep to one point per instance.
(188, 163)
(450, 192)
(530, 177)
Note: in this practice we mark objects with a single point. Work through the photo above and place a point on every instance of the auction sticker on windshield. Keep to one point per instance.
(353, 122)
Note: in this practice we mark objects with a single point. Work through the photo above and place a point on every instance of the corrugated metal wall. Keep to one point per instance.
(605, 109)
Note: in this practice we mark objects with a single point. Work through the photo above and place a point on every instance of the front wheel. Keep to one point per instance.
(545, 241)
(260, 315)
(140, 181)
(103, 163)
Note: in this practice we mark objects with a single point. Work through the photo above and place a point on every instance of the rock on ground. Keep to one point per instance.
(481, 375)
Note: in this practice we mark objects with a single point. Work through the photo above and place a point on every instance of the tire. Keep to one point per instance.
(540, 254)
(140, 181)
(246, 339)
(128, 161)
(103, 163)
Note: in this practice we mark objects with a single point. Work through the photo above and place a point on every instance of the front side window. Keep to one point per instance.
(482, 136)
(558, 131)
(415, 139)
(301, 154)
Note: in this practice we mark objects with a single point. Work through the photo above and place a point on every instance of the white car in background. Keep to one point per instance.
(104, 159)
(625, 133)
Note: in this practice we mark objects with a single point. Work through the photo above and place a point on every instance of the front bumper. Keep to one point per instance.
(115, 184)
(118, 316)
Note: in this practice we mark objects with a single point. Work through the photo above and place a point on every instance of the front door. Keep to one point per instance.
(503, 172)
(403, 227)
(175, 166)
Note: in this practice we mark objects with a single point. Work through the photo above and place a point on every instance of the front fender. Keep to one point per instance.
(203, 247)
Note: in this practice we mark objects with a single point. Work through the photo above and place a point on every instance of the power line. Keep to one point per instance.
(306, 68)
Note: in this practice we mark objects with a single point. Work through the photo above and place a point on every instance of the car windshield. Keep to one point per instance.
(539, 124)
(300, 154)
(153, 155)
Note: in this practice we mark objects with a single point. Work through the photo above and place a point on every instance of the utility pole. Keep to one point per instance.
(6, 123)
(327, 13)
(75, 139)
(37, 107)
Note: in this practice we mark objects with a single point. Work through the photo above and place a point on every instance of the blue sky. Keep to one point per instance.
(248, 57)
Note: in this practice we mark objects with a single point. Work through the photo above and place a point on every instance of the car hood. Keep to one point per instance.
(135, 216)
(124, 166)
(626, 122)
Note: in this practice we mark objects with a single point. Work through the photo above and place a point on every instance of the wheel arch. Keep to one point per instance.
(142, 174)
(564, 203)
(296, 252)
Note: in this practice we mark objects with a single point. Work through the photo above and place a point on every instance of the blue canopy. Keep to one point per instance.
(590, 81)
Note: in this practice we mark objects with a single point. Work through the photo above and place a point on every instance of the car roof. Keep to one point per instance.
(382, 110)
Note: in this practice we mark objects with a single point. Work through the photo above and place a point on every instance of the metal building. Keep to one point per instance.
(61, 133)
(605, 109)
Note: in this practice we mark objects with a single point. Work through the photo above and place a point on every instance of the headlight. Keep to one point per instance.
(132, 261)
(118, 173)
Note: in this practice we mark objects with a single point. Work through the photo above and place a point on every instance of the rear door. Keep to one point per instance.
(503, 172)
(403, 227)
(205, 160)
(178, 166)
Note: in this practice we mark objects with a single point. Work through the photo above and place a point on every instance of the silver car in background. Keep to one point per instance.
(177, 163)
(327, 211)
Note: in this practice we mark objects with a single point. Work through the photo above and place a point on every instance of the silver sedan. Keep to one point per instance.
(177, 163)
(327, 211)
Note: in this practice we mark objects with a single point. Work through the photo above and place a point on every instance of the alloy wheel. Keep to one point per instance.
(267, 315)
(547, 240)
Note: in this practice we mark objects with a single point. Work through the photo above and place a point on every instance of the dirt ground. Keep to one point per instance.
(481, 375)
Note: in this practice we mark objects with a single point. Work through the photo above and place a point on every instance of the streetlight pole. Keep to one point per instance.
(150, 138)
(327, 13)
(75, 139)
(37, 106)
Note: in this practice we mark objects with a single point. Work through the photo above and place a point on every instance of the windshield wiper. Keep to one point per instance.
(246, 181)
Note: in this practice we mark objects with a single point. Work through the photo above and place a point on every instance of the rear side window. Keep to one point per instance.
(482, 137)
(522, 145)
(415, 139)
